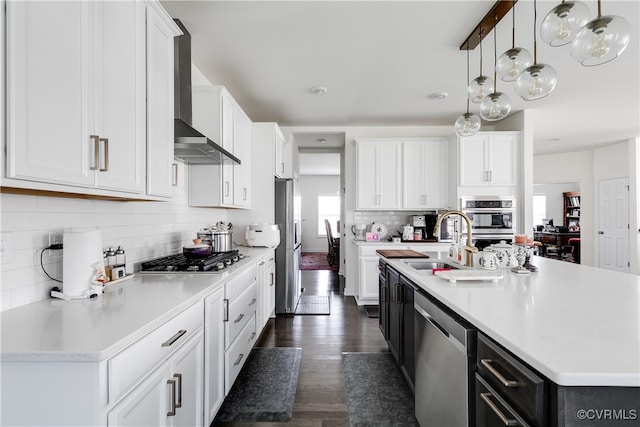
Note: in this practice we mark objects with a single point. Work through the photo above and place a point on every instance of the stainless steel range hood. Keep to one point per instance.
(190, 145)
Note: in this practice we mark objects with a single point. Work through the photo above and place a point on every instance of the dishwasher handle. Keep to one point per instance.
(433, 322)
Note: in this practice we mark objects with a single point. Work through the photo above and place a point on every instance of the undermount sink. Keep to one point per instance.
(430, 265)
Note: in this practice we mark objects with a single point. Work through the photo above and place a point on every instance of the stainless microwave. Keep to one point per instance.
(491, 215)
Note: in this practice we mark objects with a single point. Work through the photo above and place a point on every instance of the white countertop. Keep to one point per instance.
(577, 325)
(406, 243)
(96, 329)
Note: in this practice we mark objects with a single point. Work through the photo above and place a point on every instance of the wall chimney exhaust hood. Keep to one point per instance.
(190, 145)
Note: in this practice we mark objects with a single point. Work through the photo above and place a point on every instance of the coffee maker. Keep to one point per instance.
(430, 219)
(419, 227)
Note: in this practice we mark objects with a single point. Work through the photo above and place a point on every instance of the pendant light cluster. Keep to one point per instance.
(593, 42)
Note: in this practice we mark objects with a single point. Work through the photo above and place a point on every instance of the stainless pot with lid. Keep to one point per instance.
(219, 237)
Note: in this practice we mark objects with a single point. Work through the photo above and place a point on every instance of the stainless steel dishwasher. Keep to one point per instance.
(445, 357)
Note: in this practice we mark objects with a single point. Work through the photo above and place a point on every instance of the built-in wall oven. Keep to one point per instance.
(493, 218)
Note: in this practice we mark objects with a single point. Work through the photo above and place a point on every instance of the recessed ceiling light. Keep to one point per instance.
(321, 140)
(318, 90)
(438, 95)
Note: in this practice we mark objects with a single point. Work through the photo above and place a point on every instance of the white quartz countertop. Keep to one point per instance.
(577, 325)
(96, 329)
(413, 243)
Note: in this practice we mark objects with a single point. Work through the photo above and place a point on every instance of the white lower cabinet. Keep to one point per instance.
(266, 290)
(213, 354)
(170, 396)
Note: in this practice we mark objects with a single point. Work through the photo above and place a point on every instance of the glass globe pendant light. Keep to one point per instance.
(537, 80)
(514, 60)
(482, 85)
(496, 105)
(563, 22)
(600, 40)
(467, 124)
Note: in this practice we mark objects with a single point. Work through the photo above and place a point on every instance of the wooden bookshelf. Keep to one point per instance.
(572, 210)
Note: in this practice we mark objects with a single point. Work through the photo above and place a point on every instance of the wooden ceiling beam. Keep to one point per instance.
(484, 27)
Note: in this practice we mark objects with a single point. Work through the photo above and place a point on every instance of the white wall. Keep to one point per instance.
(311, 186)
(588, 167)
(555, 200)
(146, 230)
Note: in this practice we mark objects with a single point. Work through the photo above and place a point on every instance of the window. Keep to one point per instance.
(328, 208)
(539, 208)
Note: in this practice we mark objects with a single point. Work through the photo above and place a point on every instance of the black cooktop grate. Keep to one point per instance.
(179, 262)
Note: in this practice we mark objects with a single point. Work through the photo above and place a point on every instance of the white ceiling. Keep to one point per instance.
(380, 61)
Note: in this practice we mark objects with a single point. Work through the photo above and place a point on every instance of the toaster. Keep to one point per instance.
(263, 235)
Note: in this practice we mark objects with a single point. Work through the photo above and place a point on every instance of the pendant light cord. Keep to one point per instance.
(535, 42)
(599, 10)
(467, 79)
(495, 55)
(480, 37)
(513, 24)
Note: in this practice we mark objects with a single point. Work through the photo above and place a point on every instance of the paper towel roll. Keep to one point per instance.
(81, 254)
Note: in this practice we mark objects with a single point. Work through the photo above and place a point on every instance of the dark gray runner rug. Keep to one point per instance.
(377, 394)
(265, 388)
(313, 304)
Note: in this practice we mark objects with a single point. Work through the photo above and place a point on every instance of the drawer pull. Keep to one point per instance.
(239, 318)
(172, 412)
(505, 382)
(237, 362)
(253, 335)
(174, 338)
(506, 421)
(106, 155)
(272, 281)
(226, 310)
(253, 301)
(179, 378)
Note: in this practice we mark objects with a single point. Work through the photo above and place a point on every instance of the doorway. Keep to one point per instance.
(613, 224)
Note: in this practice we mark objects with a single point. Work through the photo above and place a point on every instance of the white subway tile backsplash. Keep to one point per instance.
(145, 230)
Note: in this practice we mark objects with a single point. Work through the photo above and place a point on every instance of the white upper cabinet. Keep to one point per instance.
(489, 159)
(160, 87)
(77, 96)
(76, 93)
(282, 167)
(424, 175)
(377, 174)
(220, 118)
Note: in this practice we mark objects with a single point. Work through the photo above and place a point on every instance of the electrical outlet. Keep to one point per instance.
(55, 237)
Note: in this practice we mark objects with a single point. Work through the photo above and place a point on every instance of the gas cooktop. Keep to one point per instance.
(179, 263)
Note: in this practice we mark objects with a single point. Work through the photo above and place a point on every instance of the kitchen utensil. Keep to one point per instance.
(197, 250)
(220, 239)
(407, 232)
(359, 231)
(381, 229)
(82, 261)
(264, 235)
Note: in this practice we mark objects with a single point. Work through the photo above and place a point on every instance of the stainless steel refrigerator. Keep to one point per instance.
(287, 215)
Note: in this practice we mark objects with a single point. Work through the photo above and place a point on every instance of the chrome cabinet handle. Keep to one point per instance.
(239, 318)
(226, 310)
(506, 421)
(253, 335)
(244, 193)
(174, 338)
(282, 167)
(96, 152)
(172, 412)
(237, 362)
(261, 263)
(487, 363)
(226, 188)
(106, 154)
(174, 175)
(253, 301)
(179, 378)
(490, 176)
(398, 298)
(272, 279)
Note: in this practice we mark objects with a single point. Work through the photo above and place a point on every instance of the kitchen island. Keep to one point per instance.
(576, 327)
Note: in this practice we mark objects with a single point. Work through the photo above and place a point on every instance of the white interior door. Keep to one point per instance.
(613, 226)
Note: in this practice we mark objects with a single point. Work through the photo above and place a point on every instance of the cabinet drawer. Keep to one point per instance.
(492, 410)
(238, 353)
(236, 285)
(131, 365)
(240, 310)
(515, 383)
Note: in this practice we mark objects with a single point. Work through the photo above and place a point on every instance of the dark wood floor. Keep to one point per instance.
(320, 397)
